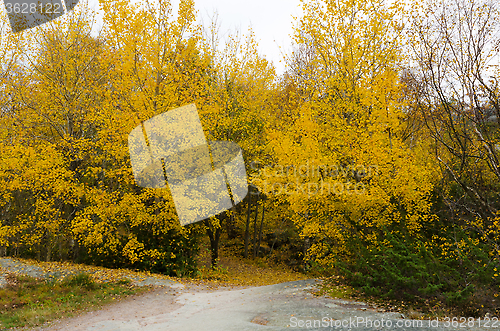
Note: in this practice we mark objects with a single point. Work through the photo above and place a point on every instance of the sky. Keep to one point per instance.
(271, 21)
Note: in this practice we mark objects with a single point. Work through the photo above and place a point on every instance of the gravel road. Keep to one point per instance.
(286, 306)
(280, 307)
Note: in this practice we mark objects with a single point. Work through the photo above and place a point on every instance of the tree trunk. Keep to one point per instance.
(274, 243)
(260, 230)
(230, 228)
(247, 227)
(75, 247)
(214, 236)
(49, 246)
(254, 244)
(275, 237)
(39, 253)
(214, 245)
(49, 253)
(306, 246)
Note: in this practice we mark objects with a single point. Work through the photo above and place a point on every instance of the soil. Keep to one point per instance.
(185, 307)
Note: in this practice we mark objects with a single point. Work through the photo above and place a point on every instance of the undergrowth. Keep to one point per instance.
(28, 302)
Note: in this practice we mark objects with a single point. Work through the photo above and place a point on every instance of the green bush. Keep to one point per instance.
(415, 270)
(178, 248)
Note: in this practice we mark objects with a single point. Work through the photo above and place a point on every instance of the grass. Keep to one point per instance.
(335, 287)
(335, 290)
(29, 302)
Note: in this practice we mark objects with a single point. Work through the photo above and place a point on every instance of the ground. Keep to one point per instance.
(197, 305)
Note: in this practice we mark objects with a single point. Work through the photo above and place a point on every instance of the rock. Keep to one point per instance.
(261, 320)
(3, 281)
(331, 305)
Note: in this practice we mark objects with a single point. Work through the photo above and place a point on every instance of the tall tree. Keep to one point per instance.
(339, 160)
(454, 45)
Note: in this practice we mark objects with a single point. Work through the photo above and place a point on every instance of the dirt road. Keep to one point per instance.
(286, 306)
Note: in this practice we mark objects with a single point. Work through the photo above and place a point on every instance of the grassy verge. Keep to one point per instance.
(337, 287)
(28, 302)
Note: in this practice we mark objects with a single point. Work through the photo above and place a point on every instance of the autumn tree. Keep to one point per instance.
(452, 91)
(455, 92)
(237, 89)
(55, 91)
(72, 119)
(336, 154)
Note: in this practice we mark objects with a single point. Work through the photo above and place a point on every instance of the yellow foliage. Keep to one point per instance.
(346, 171)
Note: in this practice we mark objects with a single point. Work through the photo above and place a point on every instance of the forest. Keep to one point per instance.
(374, 157)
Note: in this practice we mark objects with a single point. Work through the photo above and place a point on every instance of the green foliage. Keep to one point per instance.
(392, 195)
(177, 252)
(419, 271)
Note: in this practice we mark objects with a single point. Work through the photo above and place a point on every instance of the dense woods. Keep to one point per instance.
(374, 156)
